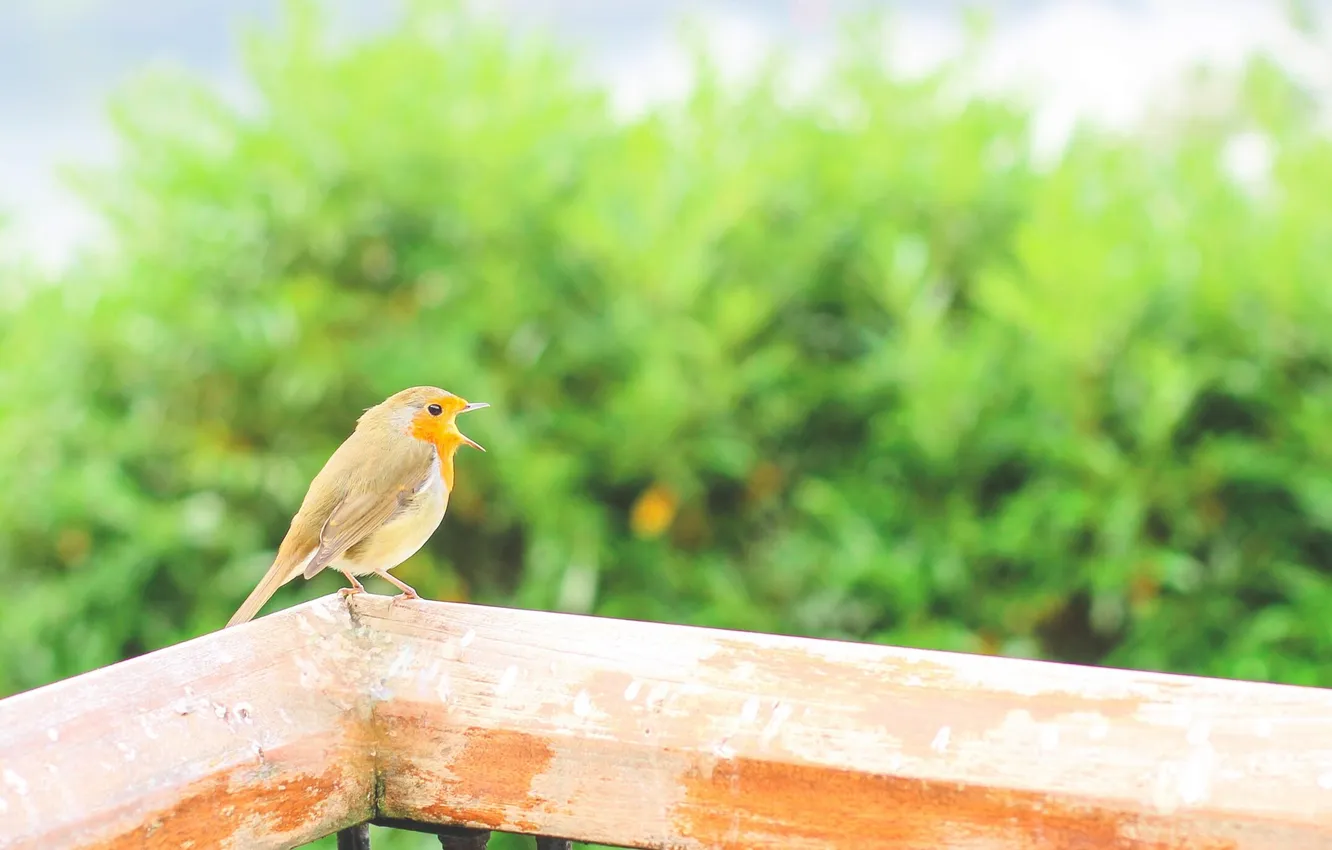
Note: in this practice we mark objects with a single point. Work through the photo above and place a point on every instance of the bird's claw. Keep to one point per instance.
(350, 591)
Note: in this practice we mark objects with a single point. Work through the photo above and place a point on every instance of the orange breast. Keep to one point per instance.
(435, 430)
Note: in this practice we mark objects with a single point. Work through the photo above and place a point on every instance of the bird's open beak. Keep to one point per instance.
(472, 405)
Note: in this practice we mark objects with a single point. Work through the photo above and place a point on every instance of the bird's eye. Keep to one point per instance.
(435, 409)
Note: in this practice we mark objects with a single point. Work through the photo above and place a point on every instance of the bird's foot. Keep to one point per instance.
(356, 587)
(408, 592)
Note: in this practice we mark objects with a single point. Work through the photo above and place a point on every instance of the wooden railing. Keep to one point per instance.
(428, 715)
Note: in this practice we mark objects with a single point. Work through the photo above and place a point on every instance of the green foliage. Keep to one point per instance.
(847, 364)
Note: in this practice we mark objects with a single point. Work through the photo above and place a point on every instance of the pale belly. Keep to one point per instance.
(401, 537)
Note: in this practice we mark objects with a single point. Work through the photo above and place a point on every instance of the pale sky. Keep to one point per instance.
(1102, 59)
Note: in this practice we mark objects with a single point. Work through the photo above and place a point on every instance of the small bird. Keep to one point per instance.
(378, 498)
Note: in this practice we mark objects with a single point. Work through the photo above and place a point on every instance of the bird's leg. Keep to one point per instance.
(356, 587)
(408, 592)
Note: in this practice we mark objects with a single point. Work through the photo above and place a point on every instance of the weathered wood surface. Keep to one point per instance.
(255, 737)
(641, 734)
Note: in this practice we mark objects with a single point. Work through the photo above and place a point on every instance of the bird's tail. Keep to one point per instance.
(279, 574)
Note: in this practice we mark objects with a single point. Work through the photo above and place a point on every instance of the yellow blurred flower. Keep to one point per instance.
(654, 511)
(1143, 588)
(73, 545)
(764, 482)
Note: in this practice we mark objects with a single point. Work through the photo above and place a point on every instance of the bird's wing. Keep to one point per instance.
(335, 515)
(355, 517)
(365, 509)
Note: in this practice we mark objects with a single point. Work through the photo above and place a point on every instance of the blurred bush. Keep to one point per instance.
(845, 363)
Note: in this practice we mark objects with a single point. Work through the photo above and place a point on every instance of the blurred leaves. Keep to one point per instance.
(844, 364)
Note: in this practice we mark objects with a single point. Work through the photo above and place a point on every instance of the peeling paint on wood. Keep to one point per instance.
(178, 746)
(745, 803)
(980, 751)
(649, 735)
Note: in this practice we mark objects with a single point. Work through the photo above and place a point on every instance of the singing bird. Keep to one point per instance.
(378, 498)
